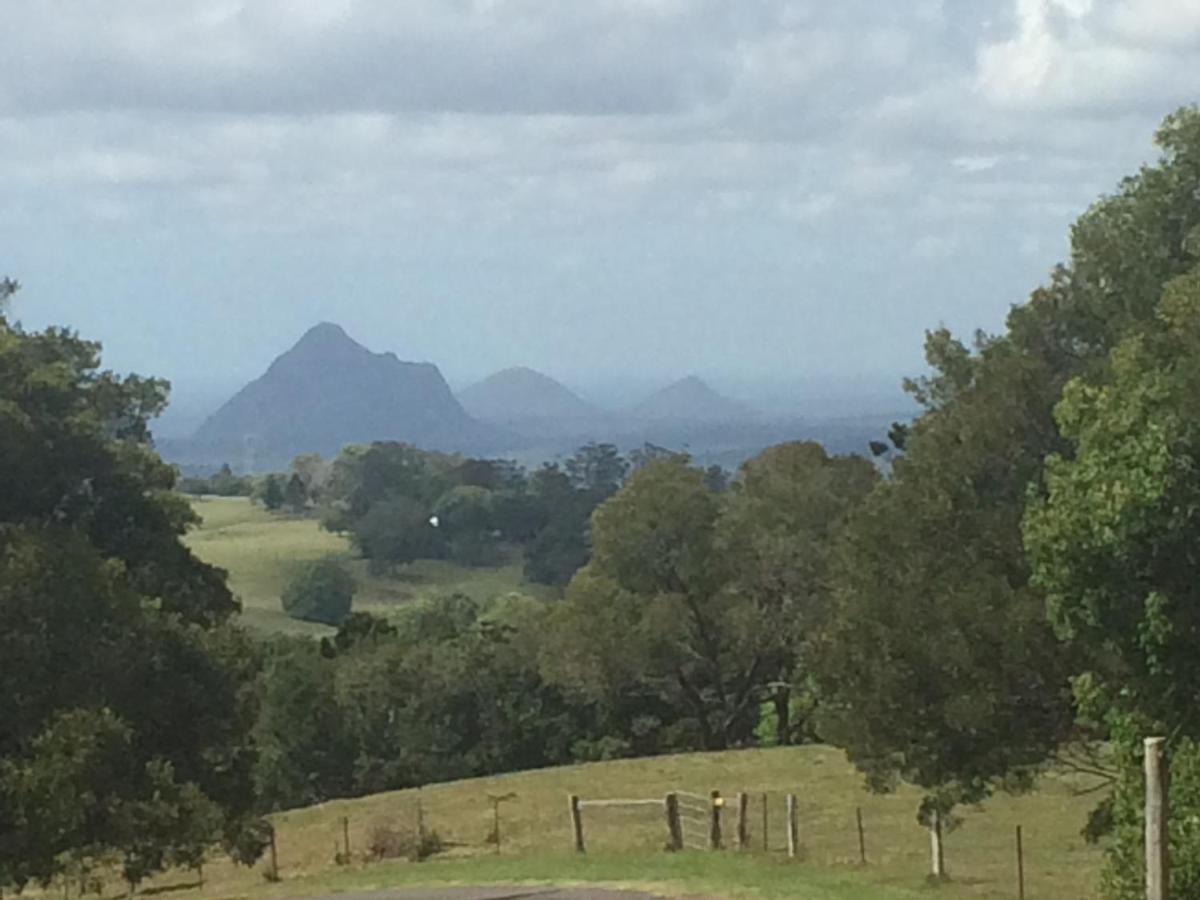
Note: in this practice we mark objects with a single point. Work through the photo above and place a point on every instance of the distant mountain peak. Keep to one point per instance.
(328, 390)
(518, 393)
(691, 399)
(326, 338)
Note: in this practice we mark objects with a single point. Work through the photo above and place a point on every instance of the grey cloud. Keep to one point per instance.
(784, 149)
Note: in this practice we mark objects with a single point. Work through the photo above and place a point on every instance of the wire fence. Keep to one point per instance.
(834, 824)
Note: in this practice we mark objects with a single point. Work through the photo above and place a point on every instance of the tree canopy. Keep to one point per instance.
(99, 598)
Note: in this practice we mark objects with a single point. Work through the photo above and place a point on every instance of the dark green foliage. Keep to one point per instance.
(935, 600)
(98, 599)
(467, 520)
(397, 531)
(272, 493)
(295, 494)
(443, 692)
(362, 477)
(305, 754)
(320, 591)
(695, 605)
(1112, 543)
(597, 467)
(400, 504)
(716, 478)
(222, 484)
(356, 629)
(560, 548)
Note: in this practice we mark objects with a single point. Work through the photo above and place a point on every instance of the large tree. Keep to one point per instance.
(1114, 545)
(776, 529)
(940, 665)
(108, 624)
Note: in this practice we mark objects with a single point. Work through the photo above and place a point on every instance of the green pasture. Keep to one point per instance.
(626, 846)
(260, 549)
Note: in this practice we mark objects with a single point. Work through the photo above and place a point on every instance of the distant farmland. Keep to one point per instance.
(259, 549)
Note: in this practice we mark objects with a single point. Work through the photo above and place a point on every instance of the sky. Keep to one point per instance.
(777, 195)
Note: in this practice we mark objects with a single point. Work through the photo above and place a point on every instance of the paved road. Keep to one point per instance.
(512, 892)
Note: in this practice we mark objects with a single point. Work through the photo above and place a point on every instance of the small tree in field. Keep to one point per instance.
(321, 591)
(272, 493)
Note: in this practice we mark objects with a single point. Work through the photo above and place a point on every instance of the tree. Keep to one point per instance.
(939, 663)
(99, 597)
(398, 531)
(225, 484)
(295, 494)
(364, 476)
(305, 751)
(314, 473)
(654, 558)
(559, 547)
(320, 591)
(272, 493)
(597, 467)
(466, 517)
(776, 531)
(1112, 543)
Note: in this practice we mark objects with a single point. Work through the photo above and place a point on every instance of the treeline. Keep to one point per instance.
(399, 504)
(681, 633)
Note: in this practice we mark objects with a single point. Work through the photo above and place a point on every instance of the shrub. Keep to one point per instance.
(321, 591)
(392, 842)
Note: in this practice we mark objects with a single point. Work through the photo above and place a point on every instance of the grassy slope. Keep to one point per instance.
(259, 549)
(624, 846)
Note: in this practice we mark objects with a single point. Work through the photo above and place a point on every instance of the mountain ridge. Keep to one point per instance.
(691, 399)
(521, 393)
(327, 391)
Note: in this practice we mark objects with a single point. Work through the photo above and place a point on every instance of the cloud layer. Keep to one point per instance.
(867, 154)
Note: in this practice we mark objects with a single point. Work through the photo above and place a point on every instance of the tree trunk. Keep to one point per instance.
(783, 717)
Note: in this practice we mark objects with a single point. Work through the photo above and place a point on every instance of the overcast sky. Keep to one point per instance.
(770, 191)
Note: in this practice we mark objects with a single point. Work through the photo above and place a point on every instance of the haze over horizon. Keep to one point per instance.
(768, 195)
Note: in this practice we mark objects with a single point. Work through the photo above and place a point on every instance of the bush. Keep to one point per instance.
(391, 842)
(321, 591)
(397, 531)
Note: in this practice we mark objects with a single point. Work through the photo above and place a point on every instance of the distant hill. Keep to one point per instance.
(329, 391)
(690, 400)
(519, 394)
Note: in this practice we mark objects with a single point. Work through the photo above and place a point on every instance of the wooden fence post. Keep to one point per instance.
(793, 827)
(346, 837)
(766, 841)
(743, 820)
(862, 837)
(1020, 866)
(674, 826)
(1158, 859)
(937, 863)
(714, 830)
(577, 823)
(420, 822)
(274, 856)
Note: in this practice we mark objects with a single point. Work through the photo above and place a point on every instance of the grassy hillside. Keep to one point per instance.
(259, 549)
(625, 845)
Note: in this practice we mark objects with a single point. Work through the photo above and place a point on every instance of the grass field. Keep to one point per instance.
(260, 549)
(625, 846)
